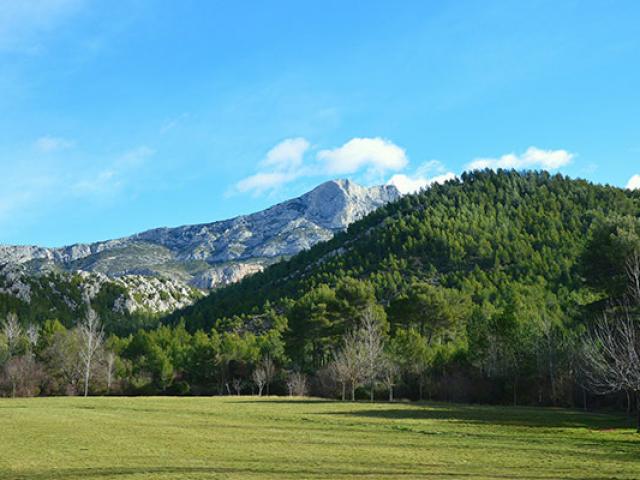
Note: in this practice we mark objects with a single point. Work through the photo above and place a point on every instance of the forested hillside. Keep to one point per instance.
(491, 277)
(478, 234)
(476, 290)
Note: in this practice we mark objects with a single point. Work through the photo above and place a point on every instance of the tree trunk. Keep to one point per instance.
(372, 392)
(344, 387)
(87, 374)
(353, 392)
(391, 394)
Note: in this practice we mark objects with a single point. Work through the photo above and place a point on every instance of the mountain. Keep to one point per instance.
(214, 254)
(487, 233)
(481, 290)
(135, 278)
(483, 287)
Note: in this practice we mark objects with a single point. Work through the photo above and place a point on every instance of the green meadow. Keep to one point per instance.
(245, 437)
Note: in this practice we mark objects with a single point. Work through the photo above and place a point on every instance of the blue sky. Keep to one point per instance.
(120, 116)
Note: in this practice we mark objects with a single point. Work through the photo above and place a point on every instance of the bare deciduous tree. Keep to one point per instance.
(340, 372)
(269, 369)
(12, 331)
(259, 378)
(347, 363)
(109, 364)
(297, 384)
(24, 375)
(611, 350)
(390, 371)
(611, 353)
(33, 335)
(92, 336)
(371, 348)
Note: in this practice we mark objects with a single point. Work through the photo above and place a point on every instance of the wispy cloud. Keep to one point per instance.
(43, 183)
(634, 183)
(111, 179)
(426, 175)
(50, 144)
(533, 157)
(22, 192)
(282, 164)
(375, 154)
(287, 155)
(264, 181)
(173, 123)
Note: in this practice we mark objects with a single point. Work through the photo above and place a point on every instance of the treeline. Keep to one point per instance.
(482, 290)
(53, 360)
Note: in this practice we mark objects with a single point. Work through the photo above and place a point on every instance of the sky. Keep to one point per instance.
(116, 117)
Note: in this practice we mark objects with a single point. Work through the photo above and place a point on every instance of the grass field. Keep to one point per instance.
(243, 437)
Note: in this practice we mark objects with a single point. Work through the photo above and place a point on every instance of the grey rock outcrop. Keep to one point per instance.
(215, 254)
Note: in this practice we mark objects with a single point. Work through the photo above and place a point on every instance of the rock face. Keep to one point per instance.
(133, 293)
(214, 254)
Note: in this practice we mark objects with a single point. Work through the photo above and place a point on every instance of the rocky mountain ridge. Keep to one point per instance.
(165, 269)
(215, 254)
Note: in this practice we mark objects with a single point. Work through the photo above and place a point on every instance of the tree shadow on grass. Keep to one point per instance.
(503, 416)
(286, 400)
(541, 420)
(543, 417)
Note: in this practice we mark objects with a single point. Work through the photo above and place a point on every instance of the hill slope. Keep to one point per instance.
(481, 282)
(488, 227)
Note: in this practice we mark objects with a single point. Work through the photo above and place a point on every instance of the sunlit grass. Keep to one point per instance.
(243, 437)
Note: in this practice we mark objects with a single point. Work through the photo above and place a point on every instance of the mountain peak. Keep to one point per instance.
(338, 203)
(214, 254)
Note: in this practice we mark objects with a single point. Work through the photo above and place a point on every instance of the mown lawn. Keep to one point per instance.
(244, 437)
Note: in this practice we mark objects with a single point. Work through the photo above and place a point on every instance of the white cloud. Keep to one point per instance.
(634, 183)
(533, 157)
(285, 163)
(49, 144)
(282, 164)
(406, 184)
(375, 154)
(262, 182)
(287, 155)
(426, 175)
